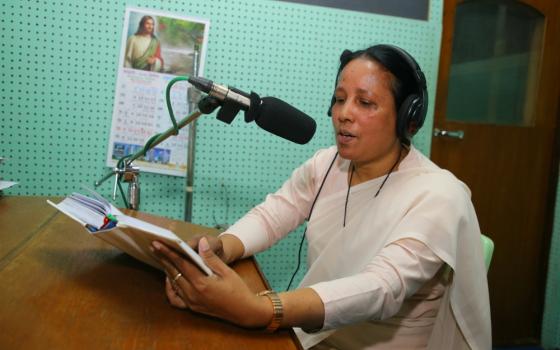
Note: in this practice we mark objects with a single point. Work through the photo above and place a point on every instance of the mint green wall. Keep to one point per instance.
(551, 318)
(58, 75)
(289, 51)
(58, 72)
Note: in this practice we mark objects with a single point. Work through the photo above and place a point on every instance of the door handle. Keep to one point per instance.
(456, 134)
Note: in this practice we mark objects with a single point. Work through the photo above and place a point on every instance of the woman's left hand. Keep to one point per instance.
(224, 294)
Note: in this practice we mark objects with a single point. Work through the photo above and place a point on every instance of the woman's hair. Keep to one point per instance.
(140, 29)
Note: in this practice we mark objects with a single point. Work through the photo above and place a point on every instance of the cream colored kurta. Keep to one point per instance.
(419, 202)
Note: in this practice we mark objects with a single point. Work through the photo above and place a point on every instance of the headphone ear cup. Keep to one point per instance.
(407, 115)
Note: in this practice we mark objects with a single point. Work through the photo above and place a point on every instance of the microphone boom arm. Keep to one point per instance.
(205, 106)
(166, 134)
(269, 113)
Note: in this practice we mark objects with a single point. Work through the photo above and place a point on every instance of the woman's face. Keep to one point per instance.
(364, 114)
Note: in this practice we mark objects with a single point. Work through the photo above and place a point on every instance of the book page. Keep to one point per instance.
(91, 203)
(143, 233)
(146, 226)
(131, 235)
(83, 213)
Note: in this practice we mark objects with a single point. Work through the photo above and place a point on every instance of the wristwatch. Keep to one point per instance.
(277, 310)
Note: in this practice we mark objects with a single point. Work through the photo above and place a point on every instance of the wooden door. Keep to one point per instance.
(498, 89)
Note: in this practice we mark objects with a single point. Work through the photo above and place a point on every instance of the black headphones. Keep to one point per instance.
(413, 107)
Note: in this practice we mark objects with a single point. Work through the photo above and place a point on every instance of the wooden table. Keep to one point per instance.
(63, 289)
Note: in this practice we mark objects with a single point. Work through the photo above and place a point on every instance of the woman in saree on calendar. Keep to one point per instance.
(143, 49)
(394, 247)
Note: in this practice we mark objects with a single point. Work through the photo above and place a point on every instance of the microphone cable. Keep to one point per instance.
(122, 161)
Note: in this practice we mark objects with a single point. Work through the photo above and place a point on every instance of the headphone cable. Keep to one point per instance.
(308, 218)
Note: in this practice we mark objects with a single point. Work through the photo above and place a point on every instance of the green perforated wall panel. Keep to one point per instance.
(551, 318)
(57, 79)
(58, 76)
(293, 55)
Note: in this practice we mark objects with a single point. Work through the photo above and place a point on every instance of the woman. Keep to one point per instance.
(394, 260)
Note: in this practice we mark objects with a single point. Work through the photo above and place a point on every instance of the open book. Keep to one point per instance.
(133, 236)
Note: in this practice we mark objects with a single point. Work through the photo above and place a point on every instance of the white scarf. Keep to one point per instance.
(408, 206)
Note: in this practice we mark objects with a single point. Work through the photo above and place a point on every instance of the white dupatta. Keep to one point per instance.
(419, 201)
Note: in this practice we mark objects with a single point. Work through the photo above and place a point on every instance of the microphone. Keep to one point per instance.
(269, 113)
(222, 93)
(281, 119)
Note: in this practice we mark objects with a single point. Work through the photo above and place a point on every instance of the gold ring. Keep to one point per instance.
(177, 276)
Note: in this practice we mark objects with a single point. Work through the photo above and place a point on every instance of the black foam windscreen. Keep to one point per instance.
(281, 119)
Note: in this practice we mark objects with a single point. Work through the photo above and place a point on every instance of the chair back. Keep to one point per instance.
(487, 249)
